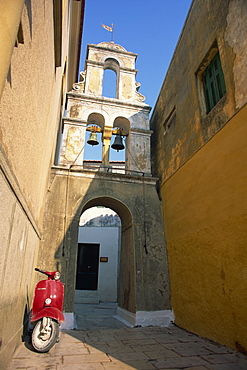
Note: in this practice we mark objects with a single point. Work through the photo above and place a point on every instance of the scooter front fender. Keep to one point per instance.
(51, 312)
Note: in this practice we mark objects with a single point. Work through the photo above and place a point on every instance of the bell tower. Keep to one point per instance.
(129, 189)
(125, 116)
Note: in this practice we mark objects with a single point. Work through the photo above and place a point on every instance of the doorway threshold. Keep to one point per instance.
(86, 296)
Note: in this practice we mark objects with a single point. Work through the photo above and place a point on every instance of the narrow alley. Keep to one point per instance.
(101, 342)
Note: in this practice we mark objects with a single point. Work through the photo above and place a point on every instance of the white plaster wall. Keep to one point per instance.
(108, 238)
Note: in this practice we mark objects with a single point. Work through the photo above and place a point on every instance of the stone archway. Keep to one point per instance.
(127, 273)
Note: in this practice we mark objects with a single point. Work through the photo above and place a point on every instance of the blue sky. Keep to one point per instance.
(150, 29)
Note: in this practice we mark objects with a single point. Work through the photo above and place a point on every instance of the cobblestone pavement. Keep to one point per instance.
(110, 345)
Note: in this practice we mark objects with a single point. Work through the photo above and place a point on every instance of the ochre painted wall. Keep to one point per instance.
(205, 208)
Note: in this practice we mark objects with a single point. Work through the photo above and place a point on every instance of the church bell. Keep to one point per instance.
(118, 143)
(93, 139)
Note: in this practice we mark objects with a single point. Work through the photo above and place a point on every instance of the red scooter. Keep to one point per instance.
(47, 311)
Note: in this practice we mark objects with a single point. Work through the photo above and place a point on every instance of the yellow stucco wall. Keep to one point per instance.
(205, 208)
(29, 108)
(10, 11)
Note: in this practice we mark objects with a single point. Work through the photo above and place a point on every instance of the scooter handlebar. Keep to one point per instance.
(43, 272)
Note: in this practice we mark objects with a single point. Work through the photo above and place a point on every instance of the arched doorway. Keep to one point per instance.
(126, 271)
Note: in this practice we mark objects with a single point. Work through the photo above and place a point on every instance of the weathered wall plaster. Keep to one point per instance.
(235, 34)
(32, 90)
(143, 276)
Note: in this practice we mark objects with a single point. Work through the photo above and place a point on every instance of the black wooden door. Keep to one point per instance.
(87, 266)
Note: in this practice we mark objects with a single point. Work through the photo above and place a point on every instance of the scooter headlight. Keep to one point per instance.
(57, 275)
(48, 301)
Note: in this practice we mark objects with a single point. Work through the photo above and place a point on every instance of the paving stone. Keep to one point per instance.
(112, 350)
(178, 362)
(141, 364)
(142, 342)
(117, 365)
(131, 365)
(196, 368)
(99, 337)
(127, 356)
(216, 348)
(225, 358)
(30, 354)
(188, 349)
(163, 339)
(79, 359)
(130, 336)
(26, 363)
(96, 343)
(21, 367)
(147, 347)
(161, 354)
(116, 343)
(155, 329)
(70, 348)
(230, 366)
(115, 351)
(93, 349)
(73, 336)
(91, 366)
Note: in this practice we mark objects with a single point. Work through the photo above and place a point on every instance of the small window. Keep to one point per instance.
(170, 121)
(57, 20)
(213, 83)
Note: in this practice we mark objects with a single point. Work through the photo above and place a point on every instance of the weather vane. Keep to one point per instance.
(109, 28)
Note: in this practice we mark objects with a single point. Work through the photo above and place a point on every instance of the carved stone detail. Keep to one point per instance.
(139, 96)
(79, 86)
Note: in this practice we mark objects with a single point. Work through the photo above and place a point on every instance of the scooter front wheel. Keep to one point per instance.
(45, 334)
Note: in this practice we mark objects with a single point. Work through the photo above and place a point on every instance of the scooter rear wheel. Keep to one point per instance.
(44, 342)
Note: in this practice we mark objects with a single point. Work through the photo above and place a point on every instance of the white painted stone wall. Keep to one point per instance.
(108, 238)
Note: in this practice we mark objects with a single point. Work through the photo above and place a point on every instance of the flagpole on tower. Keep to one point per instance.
(112, 26)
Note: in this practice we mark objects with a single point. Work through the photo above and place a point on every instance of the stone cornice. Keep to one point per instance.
(107, 101)
(80, 172)
(112, 48)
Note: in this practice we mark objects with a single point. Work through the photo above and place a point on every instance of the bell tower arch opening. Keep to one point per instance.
(109, 84)
(121, 128)
(95, 125)
(111, 78)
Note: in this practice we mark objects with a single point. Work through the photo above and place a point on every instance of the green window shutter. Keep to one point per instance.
(213, 83)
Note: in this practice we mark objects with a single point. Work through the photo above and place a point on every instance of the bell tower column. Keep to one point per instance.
(106, 141)
(73, 143)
